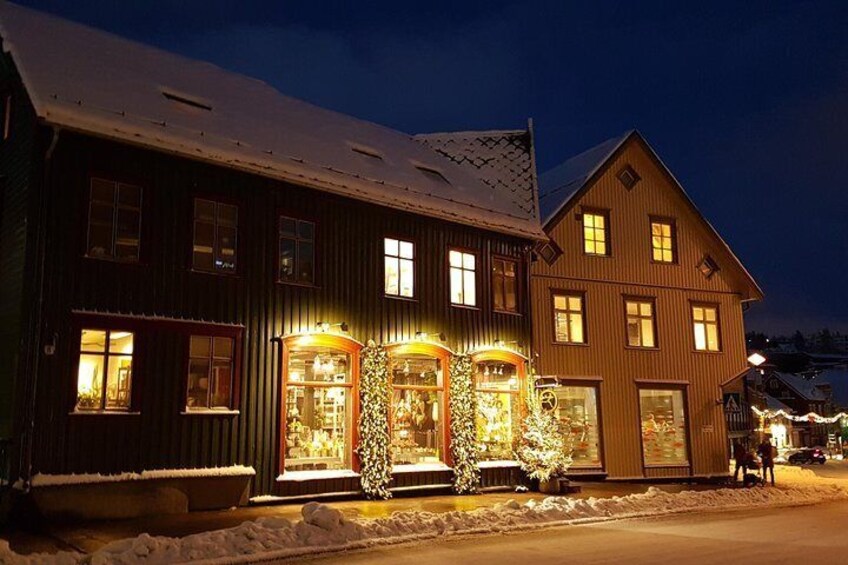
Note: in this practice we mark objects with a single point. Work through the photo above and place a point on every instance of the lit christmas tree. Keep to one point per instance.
(544, 450)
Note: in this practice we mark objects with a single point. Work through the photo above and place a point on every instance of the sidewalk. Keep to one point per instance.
(90, 536)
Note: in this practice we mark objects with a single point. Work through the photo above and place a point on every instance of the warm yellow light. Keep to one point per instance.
(756, 359)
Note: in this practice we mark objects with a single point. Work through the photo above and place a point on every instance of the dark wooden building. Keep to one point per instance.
(192, 261)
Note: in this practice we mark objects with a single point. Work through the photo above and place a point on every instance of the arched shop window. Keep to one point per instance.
(498, 378)
(419, 416)
(320, 402)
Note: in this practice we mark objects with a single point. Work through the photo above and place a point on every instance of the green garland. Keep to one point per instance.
(463, 414)
(374, 440)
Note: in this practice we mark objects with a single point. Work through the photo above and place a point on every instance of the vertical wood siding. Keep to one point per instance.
(629, 271)
(350, 289)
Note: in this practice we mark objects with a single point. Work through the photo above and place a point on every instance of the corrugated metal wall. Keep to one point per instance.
(349, 289)
(629, 271)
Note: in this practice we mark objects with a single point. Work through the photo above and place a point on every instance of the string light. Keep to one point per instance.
(809, 417)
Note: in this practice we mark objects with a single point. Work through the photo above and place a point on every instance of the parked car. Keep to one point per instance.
(808, 456)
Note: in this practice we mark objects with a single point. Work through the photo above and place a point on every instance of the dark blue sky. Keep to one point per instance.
(747, 102)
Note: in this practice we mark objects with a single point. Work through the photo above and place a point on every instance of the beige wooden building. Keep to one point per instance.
(637, 316)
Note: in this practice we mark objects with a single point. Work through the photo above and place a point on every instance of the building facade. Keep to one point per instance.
(195, 263)
(637, 316)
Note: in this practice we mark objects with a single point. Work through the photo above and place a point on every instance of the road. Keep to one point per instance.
(814, 534)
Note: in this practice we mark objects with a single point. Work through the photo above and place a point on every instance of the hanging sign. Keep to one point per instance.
(732, 402)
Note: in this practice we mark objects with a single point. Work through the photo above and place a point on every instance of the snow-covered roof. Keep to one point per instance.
(558, 185)
(807, 389)
(562, 186)
(91, 81)
(838, 381)
(774, 404)
(504, 160)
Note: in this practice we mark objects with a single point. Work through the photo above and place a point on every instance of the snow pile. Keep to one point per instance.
(324, 528)
(43, 480)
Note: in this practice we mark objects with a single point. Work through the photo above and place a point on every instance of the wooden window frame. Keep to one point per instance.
(443, 355)
(504, 356)
(217, 200)
(699, 304)
(517, 271)
(641, 300)
(660, 385)
(117, 180)
(711, 263)
(338, 342)
(399, 239)
(569, 293)
(235, 371)
(297, 239)
(107, 355)
(672, 222)
(477, 270)
(604, 213)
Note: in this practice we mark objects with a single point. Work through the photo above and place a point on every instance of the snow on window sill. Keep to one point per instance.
(417, 468)
(497, 463)
(300, 476)
(210, 412)
(103, 413)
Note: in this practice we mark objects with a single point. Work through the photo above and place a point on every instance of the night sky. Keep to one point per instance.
(746, 102)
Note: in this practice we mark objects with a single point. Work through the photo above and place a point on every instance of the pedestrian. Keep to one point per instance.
(766, 453)
(740, 456)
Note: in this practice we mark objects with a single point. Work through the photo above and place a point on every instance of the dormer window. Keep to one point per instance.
(433, 174)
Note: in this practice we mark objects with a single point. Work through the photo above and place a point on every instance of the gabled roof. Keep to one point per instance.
(560, 184)
(94, 82)
(774, 404)
(562, 187)
(504, 160)
(807, 390)
(838, 381)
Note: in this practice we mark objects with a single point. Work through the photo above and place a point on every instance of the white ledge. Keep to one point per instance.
(210, 413)
(421, 467)
(300, 476)
(497, 463)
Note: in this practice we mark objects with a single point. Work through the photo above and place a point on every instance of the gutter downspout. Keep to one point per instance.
(36, 329)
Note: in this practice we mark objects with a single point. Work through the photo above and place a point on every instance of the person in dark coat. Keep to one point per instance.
(740, 457)
(766, 453)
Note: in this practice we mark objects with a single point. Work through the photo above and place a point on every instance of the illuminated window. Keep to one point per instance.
(569, 318)
(215, 236)
(577, 409)
(104, 376)
(705, 325)
(463, 278)
(297, 251)
(318, 410)
(498, 409)
(663, 417)
(641, 323)
(399, 267)
(596, 233)
(505, 284)
(210, 373)
(663, 241)
(114, 220)
(417, 421)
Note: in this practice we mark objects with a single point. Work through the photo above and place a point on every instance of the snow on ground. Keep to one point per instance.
(324, 528)
(44, 480)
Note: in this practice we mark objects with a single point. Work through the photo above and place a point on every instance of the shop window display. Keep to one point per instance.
(663, 427)
(497, 409)
(318, 410)
(577, 410)
(417, 402)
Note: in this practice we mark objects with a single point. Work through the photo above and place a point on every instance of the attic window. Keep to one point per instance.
(707, 266)
(367, 152)
(628, 177)
(549, 252)
(187, 101)
(433, 174)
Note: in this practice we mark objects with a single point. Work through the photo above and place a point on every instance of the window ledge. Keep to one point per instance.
(668, 466)
(417, 468)
(210, 413)
(300, 476)
(497, 464)
(103, 413)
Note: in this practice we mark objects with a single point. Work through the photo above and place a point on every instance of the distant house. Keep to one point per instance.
(802, 396)
(637, 314)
